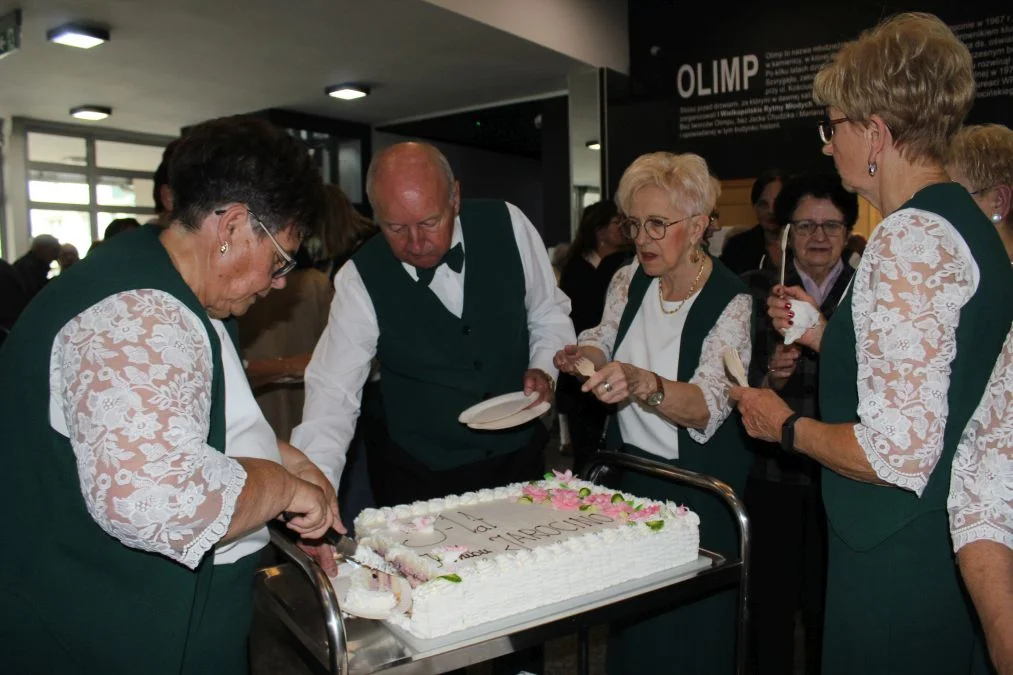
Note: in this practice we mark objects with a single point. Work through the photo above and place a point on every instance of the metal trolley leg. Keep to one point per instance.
(600, 462)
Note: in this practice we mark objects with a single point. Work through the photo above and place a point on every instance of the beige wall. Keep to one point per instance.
(736, 211)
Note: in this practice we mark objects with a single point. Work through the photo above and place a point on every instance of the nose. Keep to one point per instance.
(279, 282)
(828, 149)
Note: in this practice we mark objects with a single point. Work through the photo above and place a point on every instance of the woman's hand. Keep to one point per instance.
(782, 364)
(617, 381)
(312, 510)
(763, 412)
(781, 315)
(566, 359)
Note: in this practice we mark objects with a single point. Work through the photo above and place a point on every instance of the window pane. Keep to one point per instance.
(113, 155)
(58, 188)
(113, 191)
(70, 227)
(104, 218)
(57, 149)
(350, 169)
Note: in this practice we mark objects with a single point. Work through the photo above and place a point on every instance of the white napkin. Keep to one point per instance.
(806, 317)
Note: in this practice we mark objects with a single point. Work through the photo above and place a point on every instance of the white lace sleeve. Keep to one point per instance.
(914, 278)
(132, 378)
(732, 330)
(981, 483)
(603, 336)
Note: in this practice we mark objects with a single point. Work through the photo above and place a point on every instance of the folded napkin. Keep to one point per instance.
(806, 317)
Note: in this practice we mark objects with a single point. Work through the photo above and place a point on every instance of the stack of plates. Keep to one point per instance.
(503, 412)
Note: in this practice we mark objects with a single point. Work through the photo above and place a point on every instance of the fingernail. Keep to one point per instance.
(787, 306)
(791, 315)
(790, 322)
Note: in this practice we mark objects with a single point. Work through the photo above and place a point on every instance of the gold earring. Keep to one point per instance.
(224, 248)
(694, 254)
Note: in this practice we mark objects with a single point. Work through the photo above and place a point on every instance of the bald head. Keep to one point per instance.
(415, 201)
(406, 163)
(46, 247)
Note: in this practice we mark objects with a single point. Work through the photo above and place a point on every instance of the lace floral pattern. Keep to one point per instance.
(981, 484)
(913, 280)
(132, 375)
(731, 330)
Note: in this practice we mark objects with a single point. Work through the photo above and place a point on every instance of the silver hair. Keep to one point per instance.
(432, 151)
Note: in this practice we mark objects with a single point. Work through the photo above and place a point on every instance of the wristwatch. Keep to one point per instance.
(657, 397)
(788, 432)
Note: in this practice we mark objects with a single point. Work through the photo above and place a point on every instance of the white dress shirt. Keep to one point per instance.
(341, 360)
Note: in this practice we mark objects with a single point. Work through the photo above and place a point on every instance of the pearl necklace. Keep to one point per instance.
(692, 290)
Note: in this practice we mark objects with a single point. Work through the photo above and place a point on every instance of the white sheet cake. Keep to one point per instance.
(483, 556)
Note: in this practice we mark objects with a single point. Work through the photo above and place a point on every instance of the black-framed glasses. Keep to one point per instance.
(283, 266)
(807, 228)
(826, 128)
(654, 226)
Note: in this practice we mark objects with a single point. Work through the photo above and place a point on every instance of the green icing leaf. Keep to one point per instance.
(526, 499)
(616, 498)
(586, 507)
(584, 492)
(453, 578)
(655, 524)
(548, 475)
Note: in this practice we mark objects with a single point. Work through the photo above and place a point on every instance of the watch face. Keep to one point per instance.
(655, 398)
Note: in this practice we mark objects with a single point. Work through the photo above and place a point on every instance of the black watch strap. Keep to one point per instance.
(788, 432)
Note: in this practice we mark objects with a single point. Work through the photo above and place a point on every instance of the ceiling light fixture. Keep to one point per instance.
(78, 35)
(92, 113)
(593, 145)
(348, 92)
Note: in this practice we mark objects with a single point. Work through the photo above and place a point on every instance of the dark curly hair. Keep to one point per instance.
(595, 218)
(246, 160)
(820, 186)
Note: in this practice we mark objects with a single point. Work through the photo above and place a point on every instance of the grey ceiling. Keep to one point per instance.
(175, 62)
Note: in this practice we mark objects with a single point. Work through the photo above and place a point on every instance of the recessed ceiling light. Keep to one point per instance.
(348, 92)
(593, 145)
(92, 113)
(78, 35)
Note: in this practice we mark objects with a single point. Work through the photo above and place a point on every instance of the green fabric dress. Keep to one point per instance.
(433, 364)
(696, 638)
(72, 598)
(895, 602)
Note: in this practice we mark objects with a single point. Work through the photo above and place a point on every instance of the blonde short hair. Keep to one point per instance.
(912, 71)
(983, 153)
(685, 177)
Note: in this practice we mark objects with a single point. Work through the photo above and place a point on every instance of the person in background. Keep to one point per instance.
(68, 256)
(598, 250)
(117, 433)
(12, 298)
(854, 249)
(119, 226)
(33, 268)
(345, 229)
(783, 491)
(658, 350)
(161, 195)
(758, 245)
(903, 361)
(981, 159)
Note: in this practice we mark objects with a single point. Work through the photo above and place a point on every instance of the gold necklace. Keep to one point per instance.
(692, 290)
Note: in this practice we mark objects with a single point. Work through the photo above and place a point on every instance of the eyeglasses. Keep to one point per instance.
(287, 262)
(807, 228)
(826, 128)
(982, 190)
(654, 226)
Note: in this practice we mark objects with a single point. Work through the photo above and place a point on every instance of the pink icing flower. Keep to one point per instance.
(598, 499)
(563, 477)
(450, 554)
(646, 513)
(535, 493)
(617, 511)
(682, 510)
(566, 500)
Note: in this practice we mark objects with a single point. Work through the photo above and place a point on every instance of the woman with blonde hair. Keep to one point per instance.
(668, 318)
(981, 159)
(904, 359)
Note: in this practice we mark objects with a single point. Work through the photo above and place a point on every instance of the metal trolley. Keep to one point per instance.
(308, 613)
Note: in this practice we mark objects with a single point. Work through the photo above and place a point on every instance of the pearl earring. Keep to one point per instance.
(996, 217)
(224, 248)
(872, 169)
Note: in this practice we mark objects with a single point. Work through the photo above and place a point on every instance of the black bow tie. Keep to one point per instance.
(454, 259)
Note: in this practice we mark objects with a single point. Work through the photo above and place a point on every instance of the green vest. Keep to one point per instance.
(726, 455)
(434, 365)
(863, 514)
(73, 598)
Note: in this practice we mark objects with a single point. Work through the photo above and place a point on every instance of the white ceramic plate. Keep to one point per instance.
(497, 408)
(514, 420)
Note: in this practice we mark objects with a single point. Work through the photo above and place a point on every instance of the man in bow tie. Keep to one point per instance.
(458, 302)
